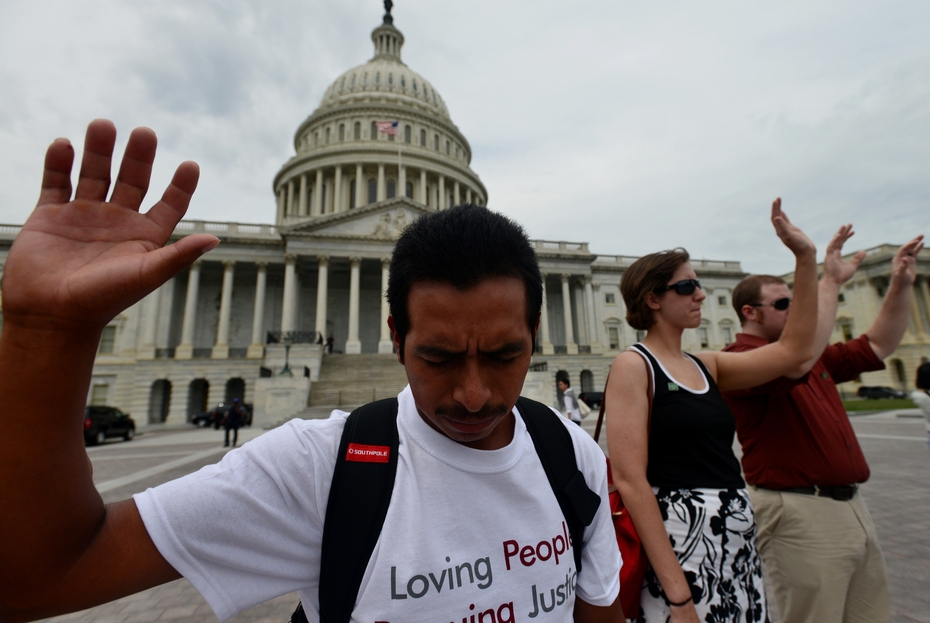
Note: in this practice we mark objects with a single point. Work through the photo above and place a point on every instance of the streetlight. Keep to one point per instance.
(288, 339)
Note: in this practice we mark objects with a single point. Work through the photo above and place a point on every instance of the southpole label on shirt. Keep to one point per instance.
(368, 454)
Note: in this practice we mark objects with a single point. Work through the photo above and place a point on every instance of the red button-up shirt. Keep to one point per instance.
(795, 432)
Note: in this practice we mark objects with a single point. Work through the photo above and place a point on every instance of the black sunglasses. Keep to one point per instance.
(685, 287)
(780, 304)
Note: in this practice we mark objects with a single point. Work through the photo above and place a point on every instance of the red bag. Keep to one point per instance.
(635, 563)
(633, 570)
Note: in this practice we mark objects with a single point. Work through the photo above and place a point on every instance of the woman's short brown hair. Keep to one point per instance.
(644, 276)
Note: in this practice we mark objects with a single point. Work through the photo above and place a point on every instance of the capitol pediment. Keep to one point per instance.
(384, 220)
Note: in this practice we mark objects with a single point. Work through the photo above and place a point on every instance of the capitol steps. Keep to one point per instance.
(347, 381)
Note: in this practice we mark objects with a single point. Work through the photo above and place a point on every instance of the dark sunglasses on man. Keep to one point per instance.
(685, 287)
(780, 304)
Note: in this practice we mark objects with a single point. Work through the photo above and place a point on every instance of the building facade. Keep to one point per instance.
(272, 295)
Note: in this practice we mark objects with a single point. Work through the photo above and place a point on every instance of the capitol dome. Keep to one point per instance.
(345, 159)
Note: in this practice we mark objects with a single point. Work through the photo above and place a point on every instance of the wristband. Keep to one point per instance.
(681, 603)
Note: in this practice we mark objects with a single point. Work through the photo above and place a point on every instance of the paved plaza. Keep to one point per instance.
(898, 495)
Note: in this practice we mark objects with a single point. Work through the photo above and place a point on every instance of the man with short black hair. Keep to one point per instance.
(820, 554)
(473, 530)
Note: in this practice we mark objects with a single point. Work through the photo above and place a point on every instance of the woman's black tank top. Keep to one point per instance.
(691, 433)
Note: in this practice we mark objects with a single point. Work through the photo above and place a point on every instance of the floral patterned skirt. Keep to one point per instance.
(713, 532)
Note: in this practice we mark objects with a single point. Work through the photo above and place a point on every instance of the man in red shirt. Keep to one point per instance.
(819, 549)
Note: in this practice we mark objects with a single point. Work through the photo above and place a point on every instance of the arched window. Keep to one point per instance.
(159, 401)
(378, 78)
(342, 132)
(410, 190)
(374, 131)
(414, 85)
(407, 133)
(587, 381)
(391, 79)
(423, 138)
(726, 332)
(372, 190)
(447, 146)
(403, 83)
(235, 388)
(390, 189)
(365, 78)
(197, 398)
(436, 142)
(704, 334)
(327, 136)
(358, 131)
(353, 80)
(316, 139)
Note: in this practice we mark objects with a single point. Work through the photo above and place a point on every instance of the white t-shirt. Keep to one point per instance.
(922, 400)
(468, 532)
(571, 405)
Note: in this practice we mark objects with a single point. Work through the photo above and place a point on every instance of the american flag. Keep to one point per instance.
(388, 127)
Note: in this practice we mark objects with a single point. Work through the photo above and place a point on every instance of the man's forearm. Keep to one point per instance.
(889, 326)
(49, 500)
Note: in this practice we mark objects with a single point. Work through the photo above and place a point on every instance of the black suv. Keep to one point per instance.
(214, 417)
(102, 423)
(880, 392)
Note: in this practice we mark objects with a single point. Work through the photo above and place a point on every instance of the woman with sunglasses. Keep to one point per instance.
(670, 436)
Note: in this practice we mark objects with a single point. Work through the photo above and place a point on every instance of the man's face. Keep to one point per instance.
(770, 320)
(467, 353)
(562, 386)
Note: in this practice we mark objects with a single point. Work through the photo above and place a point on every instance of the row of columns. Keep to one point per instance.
(297, 197)
(920, 305)
(220, 350)
(571, 346)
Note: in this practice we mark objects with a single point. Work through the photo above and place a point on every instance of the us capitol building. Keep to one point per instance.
(251, 314)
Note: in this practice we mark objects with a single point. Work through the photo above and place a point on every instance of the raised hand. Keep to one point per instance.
(834, 267)
(790, 234)
(78, 262)
(904, 264)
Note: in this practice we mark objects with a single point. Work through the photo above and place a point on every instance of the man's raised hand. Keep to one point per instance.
(80, 261)
(835, 267)
(904, 264)
(790, 234)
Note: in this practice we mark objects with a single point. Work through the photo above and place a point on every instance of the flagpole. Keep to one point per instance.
(403, 191)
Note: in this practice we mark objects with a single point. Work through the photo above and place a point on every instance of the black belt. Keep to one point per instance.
(842, 493)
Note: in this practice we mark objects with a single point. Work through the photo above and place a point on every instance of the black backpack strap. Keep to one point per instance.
(557, 454)
(363, 481)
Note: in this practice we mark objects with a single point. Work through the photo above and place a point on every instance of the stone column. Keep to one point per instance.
(916, 324)
(423, 198)
(282, 196)
(302, 197)
(185, 349)
(401, 182)
(925, 292)
(257, 348)
(442, 193)
(337, 191)
(149, 329)
(570, 346)
(289, 304)
(317, 208)
(382, 187)
(385, 345)
(353, 345)
(468, 195)
(221, 347)
(545, 340)
(321, 286)
(290, 198)
(455, 193)
(592, 317)
(361, 188)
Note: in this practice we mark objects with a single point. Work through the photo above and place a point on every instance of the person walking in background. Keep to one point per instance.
(921, 395)
(232, 422)
(819, 548)
(670, 436)
(572, 411)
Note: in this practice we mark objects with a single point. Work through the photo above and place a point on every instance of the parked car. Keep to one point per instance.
(592, 399)
(214, 417)
(102, 423)
(875, 392)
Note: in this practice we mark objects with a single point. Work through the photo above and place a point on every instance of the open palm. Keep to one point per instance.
(79, 262)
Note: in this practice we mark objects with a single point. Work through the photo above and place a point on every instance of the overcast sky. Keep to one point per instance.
(633, 126)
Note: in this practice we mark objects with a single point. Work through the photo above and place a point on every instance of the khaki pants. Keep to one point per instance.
(820, 559)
